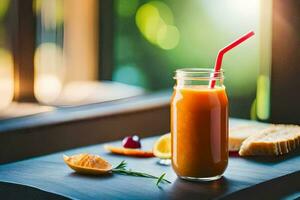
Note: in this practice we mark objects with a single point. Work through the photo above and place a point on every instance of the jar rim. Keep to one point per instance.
(198, 70)
(199, 73)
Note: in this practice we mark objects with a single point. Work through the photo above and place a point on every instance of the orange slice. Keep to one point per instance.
(88, 164)
(162, 147)
(128, 151)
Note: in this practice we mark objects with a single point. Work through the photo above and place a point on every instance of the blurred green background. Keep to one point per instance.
(154, 38)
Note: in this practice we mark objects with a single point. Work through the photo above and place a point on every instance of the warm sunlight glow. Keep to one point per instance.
(85, 92)
(47, 88)
(48, 57)
(6, 78)
(235, 9)
(244, 8)
(49, 68)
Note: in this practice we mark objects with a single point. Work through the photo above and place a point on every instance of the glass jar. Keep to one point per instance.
(199, 125)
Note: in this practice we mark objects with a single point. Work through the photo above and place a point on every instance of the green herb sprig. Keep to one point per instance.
(122, 169)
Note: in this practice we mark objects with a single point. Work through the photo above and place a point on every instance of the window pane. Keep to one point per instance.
(66, 57)
(67, 47)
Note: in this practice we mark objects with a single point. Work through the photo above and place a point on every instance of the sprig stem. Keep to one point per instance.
(122, 169)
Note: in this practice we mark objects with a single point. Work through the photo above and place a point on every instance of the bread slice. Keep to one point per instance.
(240, 133)
(275, 140)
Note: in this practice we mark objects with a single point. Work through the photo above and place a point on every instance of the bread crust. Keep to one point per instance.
(275, 140)
(240, 133)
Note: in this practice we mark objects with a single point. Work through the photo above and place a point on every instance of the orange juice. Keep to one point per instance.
(199, 130)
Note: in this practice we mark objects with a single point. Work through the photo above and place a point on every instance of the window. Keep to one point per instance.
(53, 46)
(66, 46)
(137, 43)
(92, 51)
(67, 55)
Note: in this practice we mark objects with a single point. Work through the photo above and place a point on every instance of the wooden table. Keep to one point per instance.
(48, 177)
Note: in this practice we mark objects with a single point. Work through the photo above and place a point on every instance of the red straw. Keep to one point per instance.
(223, 51)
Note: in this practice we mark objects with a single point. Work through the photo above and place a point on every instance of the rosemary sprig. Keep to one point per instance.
(160, 179)
(122, 169)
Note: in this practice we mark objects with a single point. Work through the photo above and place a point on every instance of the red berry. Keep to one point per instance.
(132, 142)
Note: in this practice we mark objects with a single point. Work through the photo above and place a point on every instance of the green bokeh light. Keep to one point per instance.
(4, 4)
(263, 97)
(167, 37)
(164, 10)
(149, 21)
(155, 22)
